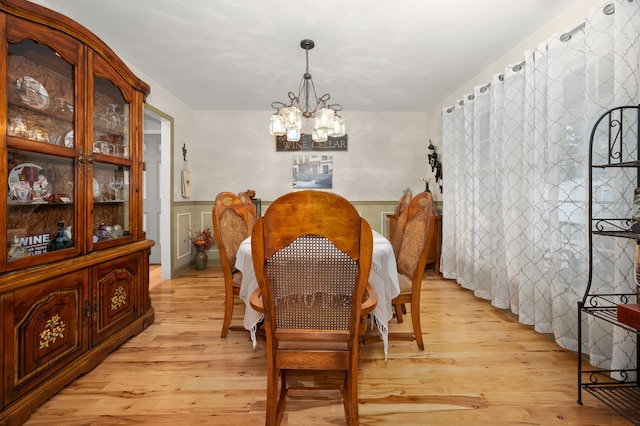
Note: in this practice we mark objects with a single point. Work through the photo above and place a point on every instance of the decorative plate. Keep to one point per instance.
(39, 188)
(32, 92)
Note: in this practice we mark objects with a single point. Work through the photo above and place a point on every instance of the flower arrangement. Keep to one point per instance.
(202, 239)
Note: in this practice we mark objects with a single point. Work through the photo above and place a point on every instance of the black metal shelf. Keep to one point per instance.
(608, 314)
(632, 164)
(619, 234)
(622, 396)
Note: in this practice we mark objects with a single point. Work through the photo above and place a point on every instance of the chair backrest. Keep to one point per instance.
(231, 227)
(251, 209)
(397, 228)
(413, 250)
(312, 257)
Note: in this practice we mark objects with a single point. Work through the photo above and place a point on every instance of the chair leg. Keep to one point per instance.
(345, 395)
(228, 313)
(282, 399)
(350, 396)
(272, 394)
(415, 320)
(398, 309)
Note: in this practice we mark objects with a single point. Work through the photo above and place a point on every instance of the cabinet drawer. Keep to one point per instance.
(45, 327)
(115, 300)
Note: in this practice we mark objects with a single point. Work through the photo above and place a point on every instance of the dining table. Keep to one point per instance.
(383, 278)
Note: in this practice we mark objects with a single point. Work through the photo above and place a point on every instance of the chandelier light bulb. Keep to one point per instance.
(292, 117)
(277, 125)
(319, 135)
(338, 129)
(325, 118)
(293, 135)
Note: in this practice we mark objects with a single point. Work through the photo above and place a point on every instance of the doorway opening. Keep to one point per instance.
(156, 188)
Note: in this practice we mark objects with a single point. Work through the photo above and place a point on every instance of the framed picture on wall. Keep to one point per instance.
(312, 171)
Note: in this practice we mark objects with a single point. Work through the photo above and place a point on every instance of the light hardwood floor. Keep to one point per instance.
(479, 367)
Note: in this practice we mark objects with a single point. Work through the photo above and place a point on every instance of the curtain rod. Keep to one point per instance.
(608, 9)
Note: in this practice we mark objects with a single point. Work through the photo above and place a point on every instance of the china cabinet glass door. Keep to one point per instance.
(111, 182)
(41, 166)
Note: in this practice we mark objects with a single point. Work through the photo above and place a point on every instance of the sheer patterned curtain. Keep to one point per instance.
(516, 155)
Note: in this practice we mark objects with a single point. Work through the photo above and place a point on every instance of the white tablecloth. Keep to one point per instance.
(383, 278)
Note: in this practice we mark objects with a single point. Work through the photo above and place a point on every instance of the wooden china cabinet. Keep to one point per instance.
(74, 260)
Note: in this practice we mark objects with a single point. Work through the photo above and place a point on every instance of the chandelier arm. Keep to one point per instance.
(315, 97)
(303, 97)
(307, 105)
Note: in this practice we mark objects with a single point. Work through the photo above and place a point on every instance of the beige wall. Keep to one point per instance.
(233, 151)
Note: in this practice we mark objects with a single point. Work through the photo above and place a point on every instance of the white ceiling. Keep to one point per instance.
(370, 55)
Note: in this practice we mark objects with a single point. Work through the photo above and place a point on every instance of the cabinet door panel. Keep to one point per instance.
(32, 223)
(43, 72)
(110, 122)
(114, 296)
(47, 328)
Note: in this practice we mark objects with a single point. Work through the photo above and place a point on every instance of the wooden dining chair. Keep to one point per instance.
(312, 257)
(231, 227)
(411, 260)
(251, 209)
(397, 220)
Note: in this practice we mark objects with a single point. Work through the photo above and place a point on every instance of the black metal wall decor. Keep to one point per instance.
(436, 166)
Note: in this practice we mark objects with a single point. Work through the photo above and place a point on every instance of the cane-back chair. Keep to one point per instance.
(412, 259)
(312, 258)
(231, 227)
(251, 209)
(397, 220)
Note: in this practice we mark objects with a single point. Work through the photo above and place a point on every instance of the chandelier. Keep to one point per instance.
(288, 118)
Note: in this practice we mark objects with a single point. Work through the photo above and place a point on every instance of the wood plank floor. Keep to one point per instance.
(479, 367)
